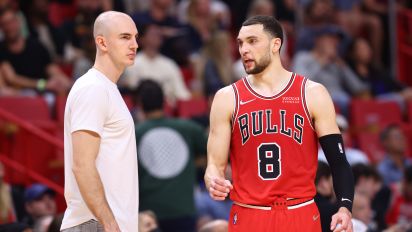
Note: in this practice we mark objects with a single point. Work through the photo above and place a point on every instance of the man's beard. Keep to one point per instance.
(259, 65)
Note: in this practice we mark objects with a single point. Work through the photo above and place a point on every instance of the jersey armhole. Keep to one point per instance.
(305, 106)
(236, 105)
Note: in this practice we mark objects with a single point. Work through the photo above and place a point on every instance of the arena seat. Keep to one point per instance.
(193, 107)
(21, 145)
(368, 118)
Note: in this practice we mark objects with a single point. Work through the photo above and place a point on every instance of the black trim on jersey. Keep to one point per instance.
(259, 130)
(342, 175)
(270, 129)
(298, 136)
(244, 127)
(283, 129)
(276, 95)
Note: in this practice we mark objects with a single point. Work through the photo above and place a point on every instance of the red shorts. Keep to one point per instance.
(280, 217)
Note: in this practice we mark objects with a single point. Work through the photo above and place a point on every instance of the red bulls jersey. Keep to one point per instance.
(273, 145)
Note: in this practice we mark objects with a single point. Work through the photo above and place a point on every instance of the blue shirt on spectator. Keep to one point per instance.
(390, 172)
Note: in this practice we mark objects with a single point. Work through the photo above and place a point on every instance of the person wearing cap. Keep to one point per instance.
(40, 204)
(322, 64)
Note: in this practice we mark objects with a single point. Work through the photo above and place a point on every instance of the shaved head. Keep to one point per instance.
(108, 21)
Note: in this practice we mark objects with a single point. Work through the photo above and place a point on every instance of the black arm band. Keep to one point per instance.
(342, 175)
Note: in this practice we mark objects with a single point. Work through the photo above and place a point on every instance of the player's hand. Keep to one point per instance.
(341, 221)
(111, 227)
(219, 188)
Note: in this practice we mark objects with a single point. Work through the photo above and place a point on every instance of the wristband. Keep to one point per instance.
(41, 84)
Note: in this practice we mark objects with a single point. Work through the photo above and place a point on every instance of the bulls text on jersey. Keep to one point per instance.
(252, 124)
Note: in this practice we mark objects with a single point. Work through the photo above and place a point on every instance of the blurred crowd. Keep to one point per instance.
(188, 48)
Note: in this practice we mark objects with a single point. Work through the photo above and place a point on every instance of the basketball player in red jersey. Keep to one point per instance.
(270, 123)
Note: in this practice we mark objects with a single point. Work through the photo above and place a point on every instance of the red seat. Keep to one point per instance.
(60, 106)
(23, 146)
(193, 107)
(129, 101)
(368, 119)
(370, 144)
(373, 116)
(407, 130)
(409, 109)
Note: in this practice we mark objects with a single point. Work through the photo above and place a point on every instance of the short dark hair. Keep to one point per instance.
(149, 95)
(323, 171)
(387, 130)
(269, 23)
(365, 170)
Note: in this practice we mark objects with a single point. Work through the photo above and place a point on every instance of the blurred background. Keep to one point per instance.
(361, 50)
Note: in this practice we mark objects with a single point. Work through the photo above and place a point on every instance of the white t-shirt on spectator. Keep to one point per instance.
(161, 69)
(95, 104)
(353, 155)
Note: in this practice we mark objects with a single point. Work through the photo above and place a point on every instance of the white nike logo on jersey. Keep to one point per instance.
(346, 199)
(245, 102)
(315, 217)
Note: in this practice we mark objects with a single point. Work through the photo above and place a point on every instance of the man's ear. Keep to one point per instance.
(101, 42)
(276, 44)
(28, 207)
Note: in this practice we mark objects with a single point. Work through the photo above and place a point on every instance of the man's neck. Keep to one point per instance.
(154, 114)
(273, 78)
(108, 68)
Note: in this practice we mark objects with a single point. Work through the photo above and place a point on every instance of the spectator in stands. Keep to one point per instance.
(367, 180)
(7, 214)
(6, 90)
(79, 29)
(25, 63)
(400, 211)
(381, 84)
(323, 64)
(218, 8)
(362, 213)
(202, 23)
(213, 69)
(325, 197)
(167, 149)
(353, 155)
(148, 221)
(317, 14)
(40, 206)
(56, 223)
(215, 226)
(357, 23)
(51, 37)
(209, 210)
(395, 161)
(176, 45)
(150, 64)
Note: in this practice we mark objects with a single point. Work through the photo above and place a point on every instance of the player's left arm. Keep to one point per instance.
(323, 114)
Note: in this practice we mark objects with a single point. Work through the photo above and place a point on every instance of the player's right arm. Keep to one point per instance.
(85, 150)
(219, 143)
